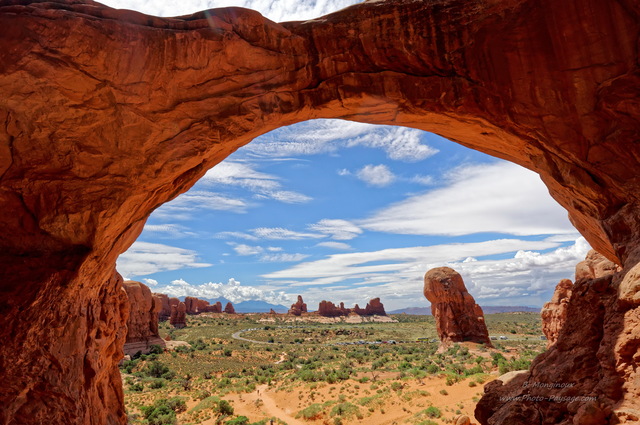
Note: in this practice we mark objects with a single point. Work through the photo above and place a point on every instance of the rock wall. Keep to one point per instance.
(102, 122)
(329, 309)
(142, 326)
(458, 317)
(178, 317)
(554, 313)
(590, 375)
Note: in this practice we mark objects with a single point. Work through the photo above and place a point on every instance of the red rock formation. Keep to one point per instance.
(554, 313)
(229, 309)
(298, 307)
(165, 306)
(178, 317)
(195, 305)
(103, 122)
(142, 326)
(374, 307)
(272, 311)
(588, 374)
(359, 311)
(595, 265)
(329, 309)
(458, 317)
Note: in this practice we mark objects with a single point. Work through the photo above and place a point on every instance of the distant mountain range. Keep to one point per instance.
(489, 309)
(252, 306)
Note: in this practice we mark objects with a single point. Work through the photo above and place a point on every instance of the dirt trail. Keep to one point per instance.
(270, 408)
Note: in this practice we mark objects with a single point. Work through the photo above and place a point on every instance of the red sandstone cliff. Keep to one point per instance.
(103, 122)
(458, 317)
(554, 313)
(142, 326)
(178, 317)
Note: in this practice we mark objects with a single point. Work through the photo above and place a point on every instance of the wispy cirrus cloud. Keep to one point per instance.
(277, 11)
(329, 136)
(245, 175)
(337, 229)
(279, 233)
(144, 258)
(185, 205)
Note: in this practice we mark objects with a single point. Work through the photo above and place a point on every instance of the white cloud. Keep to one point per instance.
(144, 258)
(232, 290)
(329, 136)
(238, 235)
(242, 249)
(376, 175)
(186, 204)
(172, 231)
(500, 197)
(277, 11)
(278, 233)
(396, 275)
(150, 282)
(241, 174)
(336, 245)
(400, 143)
(282, 258)
(337, 229)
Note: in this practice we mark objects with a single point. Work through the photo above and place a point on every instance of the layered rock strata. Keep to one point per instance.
(458, 317)
(142, 326)
(107, 114)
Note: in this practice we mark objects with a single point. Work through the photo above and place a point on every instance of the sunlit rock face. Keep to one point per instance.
(108, 114)
(589, 375)
(142, 326)
(554, 313)
(458, 317)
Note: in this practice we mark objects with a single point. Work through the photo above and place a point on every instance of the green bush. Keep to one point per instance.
(310, 413)
(240, 420)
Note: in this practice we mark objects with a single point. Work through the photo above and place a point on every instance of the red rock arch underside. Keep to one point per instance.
(108, 114)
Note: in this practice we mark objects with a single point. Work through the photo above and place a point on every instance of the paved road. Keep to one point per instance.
(240, 338)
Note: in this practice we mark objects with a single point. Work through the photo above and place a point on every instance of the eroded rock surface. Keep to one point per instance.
(106, 114)
(590, 374)
(458, 317)
(554, 313)
(142, 326)
(229, 309)
(298, 307)
(178, 317)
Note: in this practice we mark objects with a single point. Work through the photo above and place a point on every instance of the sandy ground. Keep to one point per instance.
(397, 406)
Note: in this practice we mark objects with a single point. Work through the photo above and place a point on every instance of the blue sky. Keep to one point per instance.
(347, 211)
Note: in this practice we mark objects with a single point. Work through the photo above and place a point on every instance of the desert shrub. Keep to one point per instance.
(157, 369)
(163, 411)
(155, 349)
(240, 420)
(310, 413)
(157, 383)
(136, 387)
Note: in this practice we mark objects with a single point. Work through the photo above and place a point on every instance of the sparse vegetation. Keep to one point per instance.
(332, 373)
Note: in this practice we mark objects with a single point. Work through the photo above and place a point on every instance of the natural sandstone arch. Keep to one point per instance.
(107, 114)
